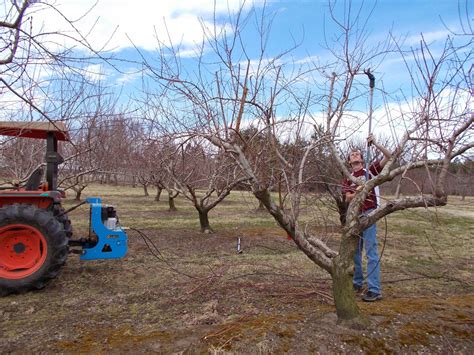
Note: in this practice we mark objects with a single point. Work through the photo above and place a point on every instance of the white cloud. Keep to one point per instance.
(14, 108)
(95, 72)
(139, 21)
(129, 76)
(429, 37)
(390, 122)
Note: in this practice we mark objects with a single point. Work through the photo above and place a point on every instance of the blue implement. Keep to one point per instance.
(111, 242)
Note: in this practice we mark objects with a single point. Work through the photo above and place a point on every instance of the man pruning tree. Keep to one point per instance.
(369, 235)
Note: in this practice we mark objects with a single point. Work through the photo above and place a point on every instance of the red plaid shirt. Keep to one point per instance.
(348, 186)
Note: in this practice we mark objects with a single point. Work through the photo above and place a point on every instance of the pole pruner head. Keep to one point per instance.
(371, 78)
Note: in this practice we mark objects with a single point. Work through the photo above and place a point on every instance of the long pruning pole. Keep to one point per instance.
(372, 86)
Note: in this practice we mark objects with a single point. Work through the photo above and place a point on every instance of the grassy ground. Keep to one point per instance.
(196, 294)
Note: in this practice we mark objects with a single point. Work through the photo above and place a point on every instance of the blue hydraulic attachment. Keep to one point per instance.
(111, 238)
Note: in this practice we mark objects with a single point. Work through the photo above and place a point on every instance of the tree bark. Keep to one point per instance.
(348, 313)
(204, 221)
(158, 193)
(145, 190)
(399, 188)
(342, 209)
(261, 207)
(78, 194)
(172, 206)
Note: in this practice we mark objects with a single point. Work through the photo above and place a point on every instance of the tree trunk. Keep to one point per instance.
(204, 221)
(78, 194)
(348, 313)
(342, 209)
(340, 266)
(134, 181)
(145, 190)
(158, 193)
(171, 204)
(261, 207)
(399, 187)
(280, 197)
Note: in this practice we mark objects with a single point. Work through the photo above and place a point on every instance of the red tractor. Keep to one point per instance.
(35, 231)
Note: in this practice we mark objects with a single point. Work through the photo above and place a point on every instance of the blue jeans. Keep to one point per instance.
(369, 240)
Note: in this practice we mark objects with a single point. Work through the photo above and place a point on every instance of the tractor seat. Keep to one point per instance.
(34, 181)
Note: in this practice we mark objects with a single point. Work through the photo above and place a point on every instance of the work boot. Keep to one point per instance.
(371, 297)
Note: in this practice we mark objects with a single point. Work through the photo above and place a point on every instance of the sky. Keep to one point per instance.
(120, 27)
(306, 21)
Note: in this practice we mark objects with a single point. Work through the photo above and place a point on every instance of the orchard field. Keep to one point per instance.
(181, 291)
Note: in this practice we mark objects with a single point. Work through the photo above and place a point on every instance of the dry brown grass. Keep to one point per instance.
(204, 297)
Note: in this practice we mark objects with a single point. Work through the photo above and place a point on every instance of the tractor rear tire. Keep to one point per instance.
(63, 219)
(33, 248)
